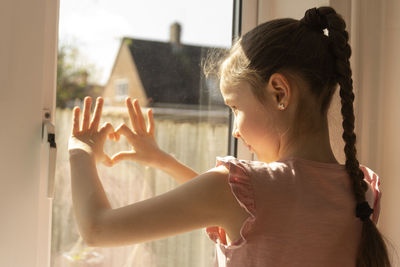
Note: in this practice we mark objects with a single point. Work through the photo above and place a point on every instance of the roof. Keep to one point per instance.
(171, 72)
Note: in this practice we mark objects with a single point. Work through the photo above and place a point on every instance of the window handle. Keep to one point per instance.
(50, 153)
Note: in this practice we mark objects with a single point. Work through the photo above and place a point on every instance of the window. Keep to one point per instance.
(121, 89)
(157, 59)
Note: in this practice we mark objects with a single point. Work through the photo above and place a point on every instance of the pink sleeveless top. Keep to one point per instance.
(301, 213)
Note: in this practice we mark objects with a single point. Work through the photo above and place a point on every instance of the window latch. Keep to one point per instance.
(49, 141)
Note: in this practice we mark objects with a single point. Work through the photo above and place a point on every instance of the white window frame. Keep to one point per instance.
(28, 72)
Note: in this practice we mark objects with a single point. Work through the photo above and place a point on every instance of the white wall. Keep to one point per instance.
(387, 124)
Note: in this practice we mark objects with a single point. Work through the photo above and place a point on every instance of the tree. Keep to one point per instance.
(72, 78)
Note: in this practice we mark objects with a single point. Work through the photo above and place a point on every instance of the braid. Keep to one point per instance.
(372, 250)
(339, 37)
(319, 19)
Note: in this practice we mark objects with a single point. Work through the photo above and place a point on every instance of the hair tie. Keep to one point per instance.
(363, 211)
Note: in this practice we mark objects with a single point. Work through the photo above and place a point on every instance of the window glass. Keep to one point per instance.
(121, 89)
(152, 51)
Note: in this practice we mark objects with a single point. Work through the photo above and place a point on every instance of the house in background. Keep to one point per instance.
(162, 74)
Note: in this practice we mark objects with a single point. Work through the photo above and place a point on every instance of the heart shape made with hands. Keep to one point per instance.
(117, 136)
(91, 139)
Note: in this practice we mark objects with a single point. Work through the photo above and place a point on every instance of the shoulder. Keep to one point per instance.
(226, 193)
(252, 173)
(210, 195)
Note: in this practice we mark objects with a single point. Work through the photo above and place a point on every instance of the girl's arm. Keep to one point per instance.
(85, 148)
(88, 196)
(204, 201)
(179, 171)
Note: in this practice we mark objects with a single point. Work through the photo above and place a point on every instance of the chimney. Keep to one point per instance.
(175, 33)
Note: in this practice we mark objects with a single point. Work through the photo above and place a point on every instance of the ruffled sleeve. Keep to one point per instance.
(242, 189)
(373, 194)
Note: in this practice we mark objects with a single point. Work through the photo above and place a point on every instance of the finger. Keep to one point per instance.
(75, 121)
(123, 155)
(139, 116)
(105, 130)
(94, 125)
(113, 136)
(132, 115)
(107, 161)
(124, 130)
(150, 120)
(116, 136)
(86, 113)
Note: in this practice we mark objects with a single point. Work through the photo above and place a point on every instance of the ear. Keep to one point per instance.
(279, 89)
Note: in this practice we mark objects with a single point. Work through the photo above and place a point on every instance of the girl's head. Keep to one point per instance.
(279, 79)
(289, 68)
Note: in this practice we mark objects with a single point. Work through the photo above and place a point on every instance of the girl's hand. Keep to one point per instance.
(88, 138)
(144, 147)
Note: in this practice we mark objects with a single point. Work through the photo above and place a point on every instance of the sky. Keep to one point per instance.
(96, 27)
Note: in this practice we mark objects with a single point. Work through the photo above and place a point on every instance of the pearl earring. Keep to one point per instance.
(281, 106)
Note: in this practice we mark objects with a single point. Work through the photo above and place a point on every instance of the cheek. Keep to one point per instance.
(263, 129)
(243, 123)
(249, 125)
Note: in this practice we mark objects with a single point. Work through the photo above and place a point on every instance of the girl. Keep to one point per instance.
(296, 206)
